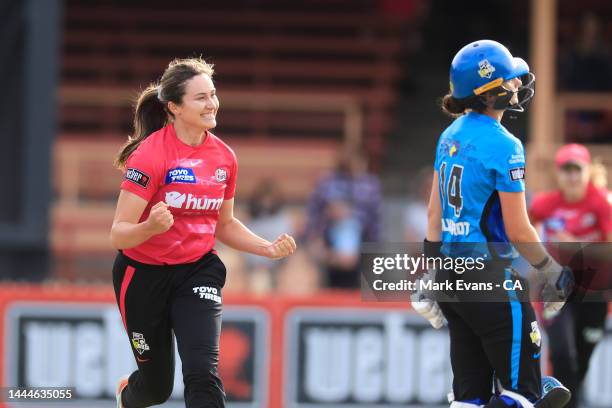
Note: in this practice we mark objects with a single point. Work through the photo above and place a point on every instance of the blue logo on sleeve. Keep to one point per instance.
(180, 175)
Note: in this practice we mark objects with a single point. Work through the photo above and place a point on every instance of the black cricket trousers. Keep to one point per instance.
(158, 303)
(494, 335)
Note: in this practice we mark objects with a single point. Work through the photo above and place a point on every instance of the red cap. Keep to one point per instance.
(572, 153)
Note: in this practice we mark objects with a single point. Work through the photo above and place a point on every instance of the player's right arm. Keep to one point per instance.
(434, 212)
(423, 302)
(143, 174)
(127, 231)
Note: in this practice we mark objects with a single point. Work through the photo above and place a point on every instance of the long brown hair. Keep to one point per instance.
(455, 107)
(452, 106)
(151, 111)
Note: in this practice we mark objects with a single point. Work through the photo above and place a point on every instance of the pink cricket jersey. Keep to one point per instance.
(193, 181)
(588, 219)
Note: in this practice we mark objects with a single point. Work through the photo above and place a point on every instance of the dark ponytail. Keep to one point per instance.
(452, 106)
(456, 107)
(150, 115)
(151, 112)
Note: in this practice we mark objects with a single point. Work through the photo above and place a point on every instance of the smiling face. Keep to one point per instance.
(199, 106)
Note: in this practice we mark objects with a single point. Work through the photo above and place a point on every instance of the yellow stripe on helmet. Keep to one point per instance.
(488, 86)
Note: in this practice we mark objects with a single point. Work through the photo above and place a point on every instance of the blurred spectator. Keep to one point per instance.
(343, 212)
(415, 216)
(235, 264)
(299, 275)
(599, 177)
(587, 67)
(578, 211)
(268, 216)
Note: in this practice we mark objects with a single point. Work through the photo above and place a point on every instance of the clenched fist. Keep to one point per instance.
(282, 246)
(160, 218)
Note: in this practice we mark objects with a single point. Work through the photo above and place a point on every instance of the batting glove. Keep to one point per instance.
(558, 285)
(424, 304)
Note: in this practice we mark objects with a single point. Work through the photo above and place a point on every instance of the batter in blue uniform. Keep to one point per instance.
(477, 209)
(478, 153)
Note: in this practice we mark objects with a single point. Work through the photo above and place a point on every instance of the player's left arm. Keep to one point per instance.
(233, 233)
(422, 301)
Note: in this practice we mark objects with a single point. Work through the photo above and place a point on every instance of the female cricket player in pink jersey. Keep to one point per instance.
(176, 199)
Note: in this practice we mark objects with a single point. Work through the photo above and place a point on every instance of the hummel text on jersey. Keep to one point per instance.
(191, 202)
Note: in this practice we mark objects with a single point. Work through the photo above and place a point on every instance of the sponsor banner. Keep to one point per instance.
(328, 350)
(350, 357)
(83, 346)
(245, 356)
(365, 358)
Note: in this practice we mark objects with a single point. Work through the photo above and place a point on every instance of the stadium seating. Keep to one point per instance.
(265, 46)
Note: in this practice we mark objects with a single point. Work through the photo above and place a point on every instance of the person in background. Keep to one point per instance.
(267, 216)
(599, 178)
(343, 212)
(578, 211)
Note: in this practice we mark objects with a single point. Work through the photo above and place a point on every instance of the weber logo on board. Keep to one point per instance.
(138, 177)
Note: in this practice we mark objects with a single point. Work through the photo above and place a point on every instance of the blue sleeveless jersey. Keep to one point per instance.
(476, 158)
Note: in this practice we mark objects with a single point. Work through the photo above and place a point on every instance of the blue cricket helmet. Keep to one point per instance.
(481, 66)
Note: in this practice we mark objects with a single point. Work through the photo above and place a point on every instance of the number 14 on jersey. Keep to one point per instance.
(451, 192)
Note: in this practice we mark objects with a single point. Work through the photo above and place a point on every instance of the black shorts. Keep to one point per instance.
(160, 302)
(494, 340)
